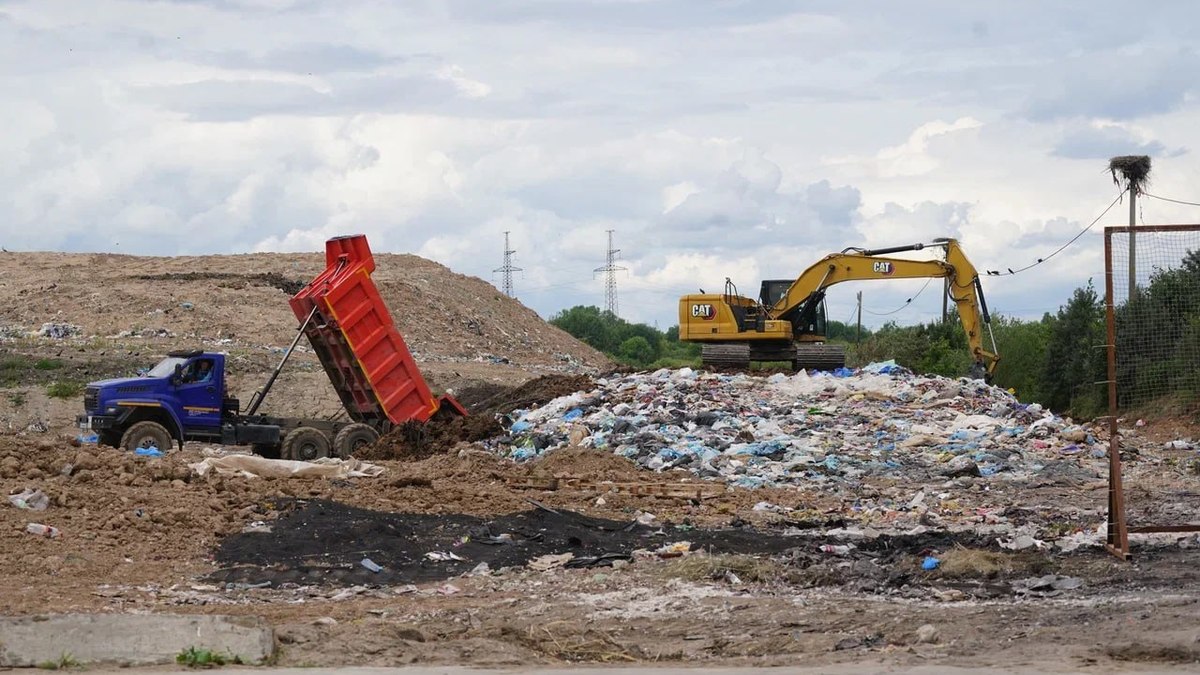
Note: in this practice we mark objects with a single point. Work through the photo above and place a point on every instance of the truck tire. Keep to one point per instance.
(147, 434)
(352, 438)
(305, 444)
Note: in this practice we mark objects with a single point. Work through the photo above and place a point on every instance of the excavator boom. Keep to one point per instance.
(734, 328)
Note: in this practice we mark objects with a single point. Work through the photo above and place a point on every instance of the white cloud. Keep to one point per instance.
(914, 156)
(716, 139)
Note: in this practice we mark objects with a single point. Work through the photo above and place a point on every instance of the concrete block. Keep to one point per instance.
(130, 639)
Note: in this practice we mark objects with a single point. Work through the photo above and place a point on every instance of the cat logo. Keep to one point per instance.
(706, 312)
(883, 268)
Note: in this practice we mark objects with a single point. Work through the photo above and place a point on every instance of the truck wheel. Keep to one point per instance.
(145, 435)
(352, 438)
(305, 444)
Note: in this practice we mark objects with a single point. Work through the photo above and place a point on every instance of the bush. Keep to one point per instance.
(64, 390)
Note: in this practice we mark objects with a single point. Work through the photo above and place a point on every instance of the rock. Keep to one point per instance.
(325, 621)
(408, 633)
(962, 465)
(928, 634)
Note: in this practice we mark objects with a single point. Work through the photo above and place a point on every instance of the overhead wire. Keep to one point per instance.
(1168, 199)
(1060, 249)
(906, 302)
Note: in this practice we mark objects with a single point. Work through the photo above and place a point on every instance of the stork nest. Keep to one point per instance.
(1132, 170)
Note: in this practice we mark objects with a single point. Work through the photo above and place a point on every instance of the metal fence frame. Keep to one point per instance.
(1119, 529)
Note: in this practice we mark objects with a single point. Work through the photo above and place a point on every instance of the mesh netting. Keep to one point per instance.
(1158, 317)
(1155, 300)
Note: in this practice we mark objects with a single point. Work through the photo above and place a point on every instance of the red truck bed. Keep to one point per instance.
(352, 333)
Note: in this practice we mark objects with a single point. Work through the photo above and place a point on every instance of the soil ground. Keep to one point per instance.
(771, 586)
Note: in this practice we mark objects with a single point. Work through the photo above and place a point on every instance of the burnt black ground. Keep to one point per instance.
(319, 541)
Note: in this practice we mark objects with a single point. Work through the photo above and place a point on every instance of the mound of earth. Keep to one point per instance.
(241, 300)
(485, 403)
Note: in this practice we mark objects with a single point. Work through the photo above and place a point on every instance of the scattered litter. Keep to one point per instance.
(928, 634)
(1178, 445)
(441, 556)
(859, 641)
(325, 621)
(448, 589)
(47, 531)
(480, 570)
(60, 331)
(1048, 585)
(148, 452)
(837, 549)
(930, 563)
(34, 500)
(549, 562)
(645, 518)
(253, 466)
(675, 550)
(370, 564)
(1021, 542)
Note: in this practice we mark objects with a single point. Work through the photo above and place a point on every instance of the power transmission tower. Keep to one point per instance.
(610, 282)
(508, 268)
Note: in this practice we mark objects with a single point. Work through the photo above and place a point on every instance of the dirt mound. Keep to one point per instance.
(242, 299)
(444, 432)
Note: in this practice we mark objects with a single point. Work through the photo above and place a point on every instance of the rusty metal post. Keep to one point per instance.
(1118, 534)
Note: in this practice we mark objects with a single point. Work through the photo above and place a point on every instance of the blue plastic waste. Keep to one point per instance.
(843, 372)
(930, 563)
(148, 452)
(520, 426)
(522, 454)
(573, 415)
(371, 565)
(88, 438)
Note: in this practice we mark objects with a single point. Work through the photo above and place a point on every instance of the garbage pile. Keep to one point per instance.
(806, 429)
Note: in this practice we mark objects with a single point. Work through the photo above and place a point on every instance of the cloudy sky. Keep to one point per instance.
(716, 137)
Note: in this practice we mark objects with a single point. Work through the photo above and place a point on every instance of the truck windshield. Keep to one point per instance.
(165, 367)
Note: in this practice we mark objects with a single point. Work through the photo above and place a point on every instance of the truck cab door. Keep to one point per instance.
(200, 399)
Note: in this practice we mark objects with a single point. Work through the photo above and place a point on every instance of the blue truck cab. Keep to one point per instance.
(181, 398)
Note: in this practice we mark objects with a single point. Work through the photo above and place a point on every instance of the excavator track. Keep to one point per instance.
(726, 356)
(737, 356)
(819, 357)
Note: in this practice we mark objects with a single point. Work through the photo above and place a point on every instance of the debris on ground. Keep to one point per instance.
(254, 466)
(807, 430)
(32, 499)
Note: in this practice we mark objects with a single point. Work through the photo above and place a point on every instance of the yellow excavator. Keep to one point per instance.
(787, 321)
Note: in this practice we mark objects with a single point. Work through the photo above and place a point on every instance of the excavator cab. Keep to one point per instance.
(772, 290)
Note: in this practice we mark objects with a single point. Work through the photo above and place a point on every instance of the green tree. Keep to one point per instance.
(637, 351)
(1073, 363)
(1022, 348)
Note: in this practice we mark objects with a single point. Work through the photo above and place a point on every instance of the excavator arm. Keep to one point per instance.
(801, 298)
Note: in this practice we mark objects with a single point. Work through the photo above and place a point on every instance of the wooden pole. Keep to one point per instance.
(858, 338)
(1132, 242)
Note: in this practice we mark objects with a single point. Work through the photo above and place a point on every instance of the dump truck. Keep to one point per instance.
(787, 321)
(184, 397)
